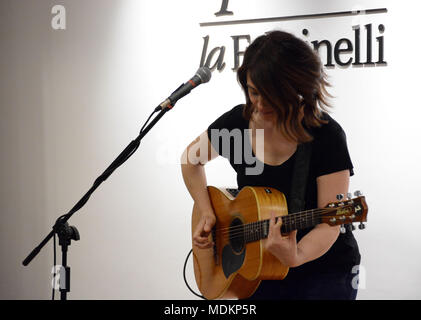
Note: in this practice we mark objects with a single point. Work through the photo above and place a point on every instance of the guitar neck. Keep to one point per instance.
(296, 221)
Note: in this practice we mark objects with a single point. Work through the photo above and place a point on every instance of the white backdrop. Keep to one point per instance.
(72, 99)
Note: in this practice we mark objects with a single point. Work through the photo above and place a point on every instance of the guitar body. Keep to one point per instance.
(234, 267)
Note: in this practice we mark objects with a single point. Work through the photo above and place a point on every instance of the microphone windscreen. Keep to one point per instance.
(204, 74)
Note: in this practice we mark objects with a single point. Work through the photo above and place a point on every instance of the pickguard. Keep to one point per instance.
(233, 254)
(231, 261)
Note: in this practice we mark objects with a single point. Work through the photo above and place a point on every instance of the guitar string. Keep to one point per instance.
(286, 218)
(250, 235)
(292, 216)
(259, 225)
(242, 233)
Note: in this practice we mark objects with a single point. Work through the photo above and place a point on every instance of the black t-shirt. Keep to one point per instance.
(329, 155)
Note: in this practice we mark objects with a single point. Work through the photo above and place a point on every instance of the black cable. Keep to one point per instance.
(185, 280)
(156, 110)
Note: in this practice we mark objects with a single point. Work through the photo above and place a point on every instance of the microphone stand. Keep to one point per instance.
(67, 233)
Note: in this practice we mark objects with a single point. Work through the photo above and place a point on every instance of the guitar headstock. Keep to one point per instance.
(346, 211)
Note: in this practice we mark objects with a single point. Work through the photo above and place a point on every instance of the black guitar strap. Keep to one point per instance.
(296, 202)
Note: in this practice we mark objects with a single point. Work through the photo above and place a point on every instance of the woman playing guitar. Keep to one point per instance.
(285, 90)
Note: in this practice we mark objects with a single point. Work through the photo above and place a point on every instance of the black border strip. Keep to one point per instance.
(296, 17)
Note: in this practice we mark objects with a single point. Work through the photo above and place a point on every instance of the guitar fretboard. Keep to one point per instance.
(260, 229)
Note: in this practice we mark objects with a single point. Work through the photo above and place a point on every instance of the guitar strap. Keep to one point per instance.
(296, 203)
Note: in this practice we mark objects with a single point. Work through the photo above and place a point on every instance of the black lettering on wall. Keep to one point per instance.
(357, 61)
(380, 40)
(338, 50)
(237, 52)
(369, 45)
(206, 61)
(316, 45)
(224, 10)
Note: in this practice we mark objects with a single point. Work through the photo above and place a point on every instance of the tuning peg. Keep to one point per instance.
(358, 193)
(352, 226)
(339, 197)
(349, 195)
(361, 226)
(343, 230)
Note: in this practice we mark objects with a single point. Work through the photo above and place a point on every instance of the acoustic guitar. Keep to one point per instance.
(238, 261)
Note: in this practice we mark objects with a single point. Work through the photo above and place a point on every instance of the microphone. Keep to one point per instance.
(202, 75)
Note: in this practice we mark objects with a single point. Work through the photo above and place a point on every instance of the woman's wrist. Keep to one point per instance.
(208, 213)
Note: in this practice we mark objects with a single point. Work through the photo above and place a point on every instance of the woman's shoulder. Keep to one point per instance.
(331, 130)
(236, 113)
(331, 125)
(230, 119)
(330, 148)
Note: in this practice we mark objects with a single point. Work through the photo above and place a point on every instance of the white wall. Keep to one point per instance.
(72, 99)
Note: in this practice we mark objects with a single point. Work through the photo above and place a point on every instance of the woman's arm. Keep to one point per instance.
(318, 241)
(193, 159)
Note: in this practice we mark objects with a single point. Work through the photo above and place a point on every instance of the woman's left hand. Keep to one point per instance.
(284, 248)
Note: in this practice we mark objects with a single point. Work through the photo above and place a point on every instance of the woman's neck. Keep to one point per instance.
(271, 130)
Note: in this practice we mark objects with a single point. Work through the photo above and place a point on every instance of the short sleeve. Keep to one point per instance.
(331, 150)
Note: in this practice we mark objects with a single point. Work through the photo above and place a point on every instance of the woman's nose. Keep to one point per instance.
(261, 105)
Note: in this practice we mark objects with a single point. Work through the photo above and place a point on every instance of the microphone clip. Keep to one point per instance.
(167, 104)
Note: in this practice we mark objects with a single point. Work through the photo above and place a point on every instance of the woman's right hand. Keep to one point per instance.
(203, 230)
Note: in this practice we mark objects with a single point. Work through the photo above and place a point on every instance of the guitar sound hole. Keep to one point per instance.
(236, 235)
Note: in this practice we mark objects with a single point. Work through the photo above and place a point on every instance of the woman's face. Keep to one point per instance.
(261, 107)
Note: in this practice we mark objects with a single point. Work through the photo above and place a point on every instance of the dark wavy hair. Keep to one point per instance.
(289, 75)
